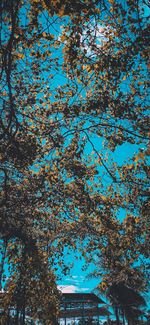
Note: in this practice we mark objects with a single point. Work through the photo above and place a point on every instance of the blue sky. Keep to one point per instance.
(77, 280)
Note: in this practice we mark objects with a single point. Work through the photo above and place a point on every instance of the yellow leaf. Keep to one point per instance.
(124, 78)
(44, 34)
(104, 198)
(140, 155)
(61, 12)
(63, 37)
(21, 56)
(130, 166)
(96, 66)
(88, 69)
(97, 11)
(133, 90)
(137, 220)
(79, 81)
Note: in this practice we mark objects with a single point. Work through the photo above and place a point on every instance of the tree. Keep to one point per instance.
(75, 92)
(127, 300)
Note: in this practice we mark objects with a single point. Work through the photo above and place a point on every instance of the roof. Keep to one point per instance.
(81, 297)
(97, 311)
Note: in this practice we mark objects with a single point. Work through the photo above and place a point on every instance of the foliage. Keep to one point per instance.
(74, 99)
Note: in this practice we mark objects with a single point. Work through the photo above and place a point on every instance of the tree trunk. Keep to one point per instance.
(2, 262)
(17, 316)
(23, 316)
(117, 315)
(123, 318)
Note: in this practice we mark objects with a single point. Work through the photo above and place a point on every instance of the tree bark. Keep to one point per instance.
(117, 315)
(2, 263)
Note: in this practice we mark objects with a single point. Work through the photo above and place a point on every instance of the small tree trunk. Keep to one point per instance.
(3, 255)
(117, 315)
(23, 316)
(17, 316)
(123, 318)
(129, 322)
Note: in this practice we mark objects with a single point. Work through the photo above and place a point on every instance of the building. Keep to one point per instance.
(81, 308)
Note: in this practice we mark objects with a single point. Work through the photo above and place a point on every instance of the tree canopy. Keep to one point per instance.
(74, 145)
